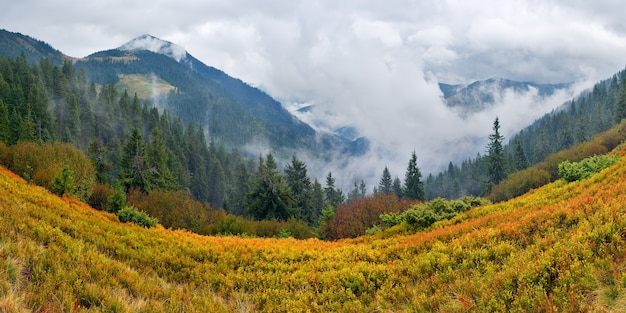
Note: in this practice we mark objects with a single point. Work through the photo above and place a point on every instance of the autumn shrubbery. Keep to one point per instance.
(423, 215)
(558, 249)
(58, 167)
(544, 172)
(176, 210)
(354, 218)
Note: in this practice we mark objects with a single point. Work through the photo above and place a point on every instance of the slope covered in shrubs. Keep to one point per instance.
(559, 248)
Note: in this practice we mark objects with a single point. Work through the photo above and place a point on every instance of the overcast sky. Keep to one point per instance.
(371, 64)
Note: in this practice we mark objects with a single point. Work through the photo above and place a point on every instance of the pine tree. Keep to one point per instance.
(300, 185)
(385, 183)
(495, 156)
(413, 185)
(158, 155)
(238, 190)
(396, 187)
(363, 189)
(334, 196)
(5, 130)
(519, 158)
(269, 196)
(317, 203)
(134, 170)
(217, 182)
(620, 101)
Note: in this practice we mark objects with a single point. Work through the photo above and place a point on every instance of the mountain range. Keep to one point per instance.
(230, 111)
(482, 94)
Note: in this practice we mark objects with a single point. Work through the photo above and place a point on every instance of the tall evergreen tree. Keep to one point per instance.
(385, 183)
(217, 182)
(396, 187)
(495, 157)
(363, 189)
(134, 170)
(620, 101)
(520, 159)
(158, 155)
(5, 130)
(334, 195)
(413, 185)
(300, 185)
(269, 196)
(238, 189)
(318, 204)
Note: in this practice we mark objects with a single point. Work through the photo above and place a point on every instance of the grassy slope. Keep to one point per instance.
(145, 86)
(559, 248)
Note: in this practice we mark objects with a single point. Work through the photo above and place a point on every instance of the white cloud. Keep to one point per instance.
(373, 64)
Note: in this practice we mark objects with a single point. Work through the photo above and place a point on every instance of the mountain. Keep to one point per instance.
(559, 248)
(480, 95)
(14, 44)
(231, 111)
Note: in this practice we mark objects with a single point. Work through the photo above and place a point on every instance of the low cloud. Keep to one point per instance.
(368, 64)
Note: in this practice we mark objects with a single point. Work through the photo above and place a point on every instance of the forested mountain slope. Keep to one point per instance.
(559, 248)
(231, 111)
(14, 44)
(590, 113)
(480, 95)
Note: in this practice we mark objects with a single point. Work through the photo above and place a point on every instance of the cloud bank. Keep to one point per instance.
(370, 64)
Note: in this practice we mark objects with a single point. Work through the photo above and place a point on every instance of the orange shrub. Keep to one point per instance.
(99, 196)
(353, 218)
(41, 164)
(519, 183)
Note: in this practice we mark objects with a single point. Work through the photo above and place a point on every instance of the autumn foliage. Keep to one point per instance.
(542, 173)
(176, 210)
(43, 163)
(353, 218)
(559, 248)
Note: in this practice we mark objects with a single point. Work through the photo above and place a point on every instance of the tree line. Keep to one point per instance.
(575, 122)
(134, 147)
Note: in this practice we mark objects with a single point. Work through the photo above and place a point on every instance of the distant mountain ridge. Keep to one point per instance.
(480, 95)
(230, 111)
(13, 44)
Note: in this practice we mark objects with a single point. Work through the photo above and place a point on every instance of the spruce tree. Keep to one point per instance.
(385, 183)
(158, 155)
(334, 196)
(495, 156)
(300, 185)
(620, 101)
(413, 185)
(5, 130)
(134, 171)
(318, 204)
(396, 187)
(269, 196)
(519, 158)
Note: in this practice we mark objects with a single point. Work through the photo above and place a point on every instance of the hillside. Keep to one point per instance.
(14, 44)
(480, 95)
(232, 112)
(560, 248)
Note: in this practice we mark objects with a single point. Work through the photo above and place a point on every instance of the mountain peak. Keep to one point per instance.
(156, 45)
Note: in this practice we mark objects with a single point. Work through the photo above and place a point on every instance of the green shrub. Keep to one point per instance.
(131, 214)
(573, 171)
(423, 215)
(116, 201)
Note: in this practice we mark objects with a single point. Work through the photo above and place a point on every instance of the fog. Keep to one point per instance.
(368, 64)
(420, 121)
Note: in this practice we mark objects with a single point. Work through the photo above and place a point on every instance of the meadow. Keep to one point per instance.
(558, 248)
